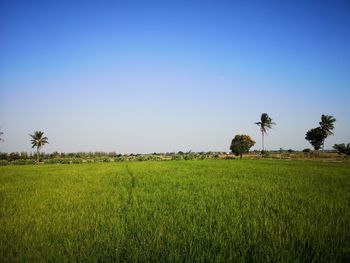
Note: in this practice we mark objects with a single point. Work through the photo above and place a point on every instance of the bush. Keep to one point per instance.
(14, 156)
(3, 156)
(30, 161)
(52, 161)
(306, 150)
(23, 162)
(342, 148)
(76, 160)
(64, 161)
(177, 157)
(4, 162)
(265, 154)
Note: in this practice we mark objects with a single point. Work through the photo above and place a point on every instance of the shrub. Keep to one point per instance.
(30, 161)
(177, 157)
(22, 162)
(14, 156)
(265, 154)
(3, 156)
(4, 162)
(76, 160)
(342, 148)
(306, 150)
(52, 161)
(64, 161)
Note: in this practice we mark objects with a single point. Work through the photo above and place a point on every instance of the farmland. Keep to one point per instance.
(196, 210)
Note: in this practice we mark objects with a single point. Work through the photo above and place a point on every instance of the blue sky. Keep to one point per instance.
(157, 76)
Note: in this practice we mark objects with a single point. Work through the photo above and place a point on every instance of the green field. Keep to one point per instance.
(212, 211)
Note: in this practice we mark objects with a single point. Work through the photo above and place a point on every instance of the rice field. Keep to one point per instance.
(172, 211)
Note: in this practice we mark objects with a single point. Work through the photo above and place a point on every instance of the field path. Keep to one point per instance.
(132, 186)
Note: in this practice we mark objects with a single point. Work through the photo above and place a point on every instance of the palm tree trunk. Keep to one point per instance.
(37, 154)
(263, 146)
(323, 146)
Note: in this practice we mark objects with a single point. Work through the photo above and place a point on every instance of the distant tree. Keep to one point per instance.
(54, 155)
(327, 125)
(342, 148)
(24, 155)
(241, 144)
(112, 154)
(316, 137)
(265, 124)
(14, 156)
(38, 141)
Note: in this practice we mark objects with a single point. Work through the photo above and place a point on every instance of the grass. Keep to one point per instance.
(212, 211)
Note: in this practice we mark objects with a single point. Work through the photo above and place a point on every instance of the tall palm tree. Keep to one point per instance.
(327, 125)
(1, 139)
(38, 141)
(265, 124)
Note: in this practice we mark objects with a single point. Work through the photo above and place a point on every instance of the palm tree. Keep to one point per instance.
(327, 125)
(38, 141)
(265, 124)
(1, 139)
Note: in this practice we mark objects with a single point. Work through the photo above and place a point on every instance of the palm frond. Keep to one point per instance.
(38, 140)
(327, 123)
(265, 123)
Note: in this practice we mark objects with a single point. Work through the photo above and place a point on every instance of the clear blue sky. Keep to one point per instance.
(156, 76)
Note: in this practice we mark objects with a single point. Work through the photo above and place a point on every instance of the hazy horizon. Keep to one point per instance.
(141, 77)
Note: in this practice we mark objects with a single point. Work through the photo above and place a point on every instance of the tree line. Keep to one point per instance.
(240, 144)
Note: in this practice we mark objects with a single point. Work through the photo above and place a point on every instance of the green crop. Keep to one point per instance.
(206, 211)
